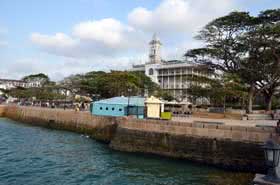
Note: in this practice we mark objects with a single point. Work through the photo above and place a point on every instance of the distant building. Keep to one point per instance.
(10, 84)
(119, 106)
(170, 75)
(36, 82)
(7, 84)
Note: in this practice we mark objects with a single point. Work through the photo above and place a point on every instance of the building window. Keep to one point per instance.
(107, 108)
(100, 108)
(120, 109)
(151, 71)
(113, 108)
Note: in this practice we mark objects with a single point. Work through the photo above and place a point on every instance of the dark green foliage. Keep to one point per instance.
(38, 93)
(94, 84)
(44, 79)
(164, 95)
(217, 90)
(246, 46)
(114, 83)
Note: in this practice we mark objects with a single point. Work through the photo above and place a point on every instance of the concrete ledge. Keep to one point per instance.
(258, 180)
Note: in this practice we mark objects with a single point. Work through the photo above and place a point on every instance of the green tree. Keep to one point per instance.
(43, 78)
(217, 89)
(38, 93)
(164, 95)
(265, 50)
(243, 45)
(114, 83)
(72, 83)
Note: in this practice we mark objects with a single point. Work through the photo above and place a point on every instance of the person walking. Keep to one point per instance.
(278, 127)
(83, 106)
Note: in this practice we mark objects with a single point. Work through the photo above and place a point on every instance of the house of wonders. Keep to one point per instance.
(170, 75)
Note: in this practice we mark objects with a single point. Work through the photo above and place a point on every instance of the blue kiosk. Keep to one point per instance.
(119, 106)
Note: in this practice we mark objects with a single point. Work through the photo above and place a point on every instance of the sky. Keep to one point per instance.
(64, 37)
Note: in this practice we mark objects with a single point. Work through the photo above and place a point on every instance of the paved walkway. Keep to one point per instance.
(250, 123)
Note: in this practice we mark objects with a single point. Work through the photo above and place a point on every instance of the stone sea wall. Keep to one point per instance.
(100, 128)
(234, 148)
(2, 110)
(229, 147)
(213, 131)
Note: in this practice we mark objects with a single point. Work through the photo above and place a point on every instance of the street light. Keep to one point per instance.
(272, 154)
(129, 90)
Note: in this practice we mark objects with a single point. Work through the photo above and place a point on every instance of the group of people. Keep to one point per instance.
(79, 106)
(82, 106)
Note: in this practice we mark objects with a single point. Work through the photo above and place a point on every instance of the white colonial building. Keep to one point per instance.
(170, 75)
(8, 84)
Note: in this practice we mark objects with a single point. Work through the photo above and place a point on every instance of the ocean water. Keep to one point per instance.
(39, 156)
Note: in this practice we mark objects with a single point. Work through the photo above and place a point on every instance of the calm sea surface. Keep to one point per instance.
(38, 156)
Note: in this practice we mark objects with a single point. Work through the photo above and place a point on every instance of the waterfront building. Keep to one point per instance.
(37, 82)
(170, 75)
(119, 106)
(8, 84)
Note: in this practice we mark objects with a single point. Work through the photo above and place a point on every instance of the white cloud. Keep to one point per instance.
(111, 44)
(106, 37)
(107, 31)
(177, 52)
(58, 40)
(58, 68)
(111, 37)
(179, 16)
(59, 44)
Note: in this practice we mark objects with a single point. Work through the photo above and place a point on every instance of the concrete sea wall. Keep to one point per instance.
(234, 148)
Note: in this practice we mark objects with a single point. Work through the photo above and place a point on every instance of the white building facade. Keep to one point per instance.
(8, 84)
(171, 76)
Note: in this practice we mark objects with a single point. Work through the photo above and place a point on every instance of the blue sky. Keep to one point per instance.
(75, 36)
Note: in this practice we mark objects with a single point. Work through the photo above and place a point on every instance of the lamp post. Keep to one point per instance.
(65, 99)
(272, 154)
(128, 97)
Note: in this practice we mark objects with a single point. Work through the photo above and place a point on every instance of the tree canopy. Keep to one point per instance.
(43, 78)
(37, 93)
(246, 46)
(114, 83)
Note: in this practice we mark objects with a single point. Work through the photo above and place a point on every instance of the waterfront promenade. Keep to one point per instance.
(230, 122)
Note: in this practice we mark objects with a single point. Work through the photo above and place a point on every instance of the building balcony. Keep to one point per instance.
(174, 74)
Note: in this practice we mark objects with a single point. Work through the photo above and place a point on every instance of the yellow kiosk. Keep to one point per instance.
(154, 107)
